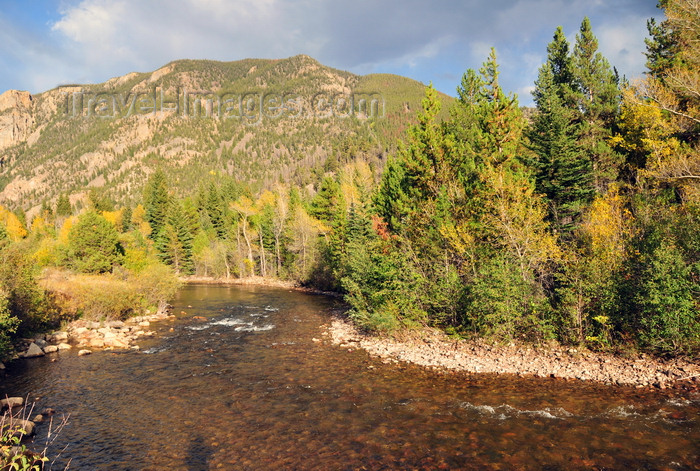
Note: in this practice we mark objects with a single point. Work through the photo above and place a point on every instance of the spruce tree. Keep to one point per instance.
(174, 240)
(597, 98)
(156, 201)
(563, 171)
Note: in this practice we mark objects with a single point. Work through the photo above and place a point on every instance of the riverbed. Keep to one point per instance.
(241, 378)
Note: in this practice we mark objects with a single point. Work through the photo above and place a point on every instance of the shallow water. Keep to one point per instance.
(247, 388)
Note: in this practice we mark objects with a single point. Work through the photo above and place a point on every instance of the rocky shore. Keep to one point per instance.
(86, 335)
(432, 348)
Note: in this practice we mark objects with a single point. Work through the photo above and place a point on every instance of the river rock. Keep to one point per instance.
(11, 402)
(64, 346)
(116, 342)
(96, 343)
(79, 331)
(58, 337)
(84, 352)
(33, 351)
(50, 349)
(26, 425)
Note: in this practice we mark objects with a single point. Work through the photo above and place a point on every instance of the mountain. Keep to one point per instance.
(258, 121)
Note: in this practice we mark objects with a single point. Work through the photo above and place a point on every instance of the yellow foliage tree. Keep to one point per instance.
(14, 227)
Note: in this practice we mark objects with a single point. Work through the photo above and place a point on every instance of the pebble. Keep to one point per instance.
(477, 356)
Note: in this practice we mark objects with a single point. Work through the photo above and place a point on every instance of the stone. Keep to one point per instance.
(26, 425)
(11, 402)
(40, 342)
(38, 419)
(50, 349)
(33, 351)
(144, 324)
(84, 352)
(64, 346)
(116, 342)
(57, 337)
(96, 343)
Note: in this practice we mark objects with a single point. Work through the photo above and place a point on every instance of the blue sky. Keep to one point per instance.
(47, 43)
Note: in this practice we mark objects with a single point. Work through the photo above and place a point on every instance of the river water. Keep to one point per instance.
(248, 388)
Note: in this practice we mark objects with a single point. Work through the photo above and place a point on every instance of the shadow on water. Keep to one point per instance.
(236, 381)
(198, 454)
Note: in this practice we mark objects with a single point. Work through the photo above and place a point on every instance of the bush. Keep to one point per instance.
(8, 326)
(93, 244)
(112, 295)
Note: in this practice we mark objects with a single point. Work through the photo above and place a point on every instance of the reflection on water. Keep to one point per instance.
(244, 386)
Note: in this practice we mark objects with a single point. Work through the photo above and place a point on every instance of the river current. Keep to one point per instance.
(239, 380)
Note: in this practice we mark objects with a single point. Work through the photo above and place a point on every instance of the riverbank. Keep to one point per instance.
(257, 281)
(433, 348)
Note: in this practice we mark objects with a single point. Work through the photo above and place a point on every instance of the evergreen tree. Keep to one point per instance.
(174, 239)
(93, 244)
(563, 172)
(325, 204)
(63, 206)
(156, 202)
(597, 98)
(215, 209)
(662, 46)
(98, 200)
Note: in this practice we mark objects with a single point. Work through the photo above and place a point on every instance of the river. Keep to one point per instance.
(248, 386)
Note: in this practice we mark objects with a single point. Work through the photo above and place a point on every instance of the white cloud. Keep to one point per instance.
(94, 40)
(623, 44)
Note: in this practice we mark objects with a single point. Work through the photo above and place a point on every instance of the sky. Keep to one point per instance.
(46, 43)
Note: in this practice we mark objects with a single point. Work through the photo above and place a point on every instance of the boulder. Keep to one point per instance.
(96, 342)
(33, 351)
(24, 427)
(58, 337)
(40, 342)
(116, 342)
(50, 349)
(64, 346)
(84, 352)
(11, 402)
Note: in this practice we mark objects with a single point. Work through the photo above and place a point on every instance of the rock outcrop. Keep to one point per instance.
(16, 117)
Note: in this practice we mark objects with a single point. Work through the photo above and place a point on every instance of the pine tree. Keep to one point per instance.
(93, 244)
(174, 240)
(563, 172)
(156, 202)
(324, 206)
(63, 206)
(597, 98)
(662, 46)
(215, 209)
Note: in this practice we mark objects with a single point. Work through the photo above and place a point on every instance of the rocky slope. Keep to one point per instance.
(258, 121)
